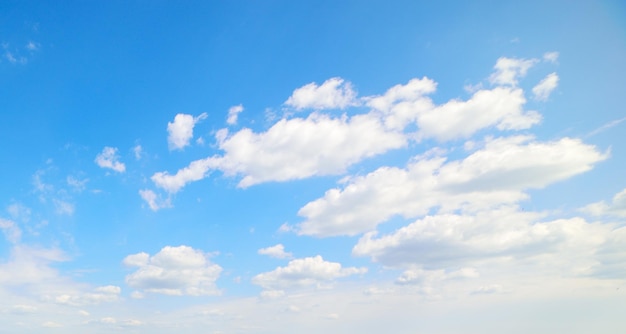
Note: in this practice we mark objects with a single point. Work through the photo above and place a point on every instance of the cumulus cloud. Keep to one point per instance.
(276, 251)
(324, 144)
(495, 174)
(108, 158)
(617, 207)
(299, 148)
(180, 131)
(196, 170)
(571, 247)
(291, 149)
(178, 270)
(304, 272)
(545, 87)
(501, 107)
(334, 93)
(233, 114)
(509, 70)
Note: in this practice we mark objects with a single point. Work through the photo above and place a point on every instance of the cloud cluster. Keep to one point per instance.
(109, 158)
(178, 270)
(326, 144)
(309, 271)
(180, 131)
(495, 174)
(334, 93)
(233, 114)
(276, 251)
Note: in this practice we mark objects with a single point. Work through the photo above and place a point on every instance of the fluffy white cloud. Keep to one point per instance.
(545, 87)
(405, 104)
(277, 251)
(333, 93)
(324, 144)
(233, 114)
(178, 270)
(299, 148)
(304, 272)
(153, 200)
(291, 149)
(108, 158)
(196, 170)
(501, 107)
(495, 174)
(509, 70)
(506, 233)
(616, 208)
(180, 131)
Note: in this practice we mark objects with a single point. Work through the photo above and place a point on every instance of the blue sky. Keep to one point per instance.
(259, 166)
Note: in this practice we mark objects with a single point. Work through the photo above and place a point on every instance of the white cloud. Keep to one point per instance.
(178, 270)
(493, 175)
(180, 131)
(323, 144)
(196, 170)
(401, 104)
(617, 207)
(108, 158)
(277, 251)
(299, 148)
(291, 149)
(551, 57)
(233, 114)
(510, 70)
(501, 107)
(334, 93)
(11, 231)
(304, 272)
(543, 89)
(506, 235)
(154, 201)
